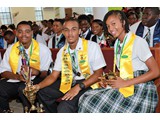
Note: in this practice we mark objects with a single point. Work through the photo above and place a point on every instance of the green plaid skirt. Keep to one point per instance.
(144, 100)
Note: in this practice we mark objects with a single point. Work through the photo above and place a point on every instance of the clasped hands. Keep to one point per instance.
(114, 83)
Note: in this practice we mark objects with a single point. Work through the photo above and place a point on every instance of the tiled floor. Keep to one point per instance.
(16, 107)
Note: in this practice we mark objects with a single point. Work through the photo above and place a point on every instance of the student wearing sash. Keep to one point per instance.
(149, 27)
(38, 57)
(134, 90)
(58, 40)
(80, 63)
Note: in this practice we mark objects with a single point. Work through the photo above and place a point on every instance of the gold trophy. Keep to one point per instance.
(28, 91)
(108, 76)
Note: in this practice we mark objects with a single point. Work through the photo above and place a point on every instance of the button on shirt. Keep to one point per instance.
(95, 56)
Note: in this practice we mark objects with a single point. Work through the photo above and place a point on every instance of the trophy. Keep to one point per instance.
(28, 91)
(108, 76)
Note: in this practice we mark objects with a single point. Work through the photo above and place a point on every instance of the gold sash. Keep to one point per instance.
(126, 68)
(34, 57)
(66, 76)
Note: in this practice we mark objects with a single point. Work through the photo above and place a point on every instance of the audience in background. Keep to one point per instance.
(37, 34)
(149, 27)
(99, 34)
(84, 22)
(58, 40)
(10, 38)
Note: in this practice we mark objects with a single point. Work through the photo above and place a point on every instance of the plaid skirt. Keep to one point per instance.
(144, 100)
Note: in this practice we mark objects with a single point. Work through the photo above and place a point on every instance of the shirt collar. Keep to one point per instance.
(85, 34)
(78, 47)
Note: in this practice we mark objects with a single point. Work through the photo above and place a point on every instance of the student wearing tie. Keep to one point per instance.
(134, 90)
(149, 27)
(58, 40)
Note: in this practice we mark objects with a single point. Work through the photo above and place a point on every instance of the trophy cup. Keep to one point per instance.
(108, 76)
(28, 91)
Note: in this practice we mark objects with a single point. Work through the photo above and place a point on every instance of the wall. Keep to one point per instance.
(25, 13)
(28, 13)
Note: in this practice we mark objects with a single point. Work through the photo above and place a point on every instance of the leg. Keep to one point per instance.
(48, 95)
(7, 91)
(70, 106)
(23, 98)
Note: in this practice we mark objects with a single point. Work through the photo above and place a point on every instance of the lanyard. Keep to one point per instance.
(57, 41)
(121, 49)
(30, 52)
(74, 65)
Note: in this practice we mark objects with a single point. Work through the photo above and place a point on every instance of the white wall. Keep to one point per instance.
(48, 13)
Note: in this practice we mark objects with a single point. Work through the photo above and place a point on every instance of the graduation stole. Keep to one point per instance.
(34, 60)
(66, 76)
(126, 68)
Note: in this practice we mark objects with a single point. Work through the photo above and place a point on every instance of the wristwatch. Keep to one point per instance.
(82, 86)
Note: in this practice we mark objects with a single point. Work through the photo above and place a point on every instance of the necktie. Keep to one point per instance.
(74, 65)
(148, 36)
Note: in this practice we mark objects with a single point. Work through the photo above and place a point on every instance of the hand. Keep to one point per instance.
(71, 93)
(35, 88)
(20, 77)
(118, 83)
(103, 83)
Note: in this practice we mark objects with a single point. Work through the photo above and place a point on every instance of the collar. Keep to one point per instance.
(78, 47)
(85, 33)
(101, 37)
(58, 36)
(128, 35)
(151, 28)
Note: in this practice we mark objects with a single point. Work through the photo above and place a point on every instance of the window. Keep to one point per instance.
(5, 16)
(39, 13)
(88, 10)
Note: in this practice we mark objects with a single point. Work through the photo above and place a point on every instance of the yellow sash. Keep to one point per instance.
(126, 68)
(34, 57)
(66, 76)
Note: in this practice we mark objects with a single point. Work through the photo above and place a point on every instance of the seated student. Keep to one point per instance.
(10, 38)
(98, 31)
(3, 43)
(58, 40)
(132, 17)
(134, 90)
(37, 34)
(149, 27)
(84, 22)
(80, 63)
(37, 56)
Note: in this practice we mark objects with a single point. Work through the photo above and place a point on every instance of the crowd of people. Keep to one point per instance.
(80, 62)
